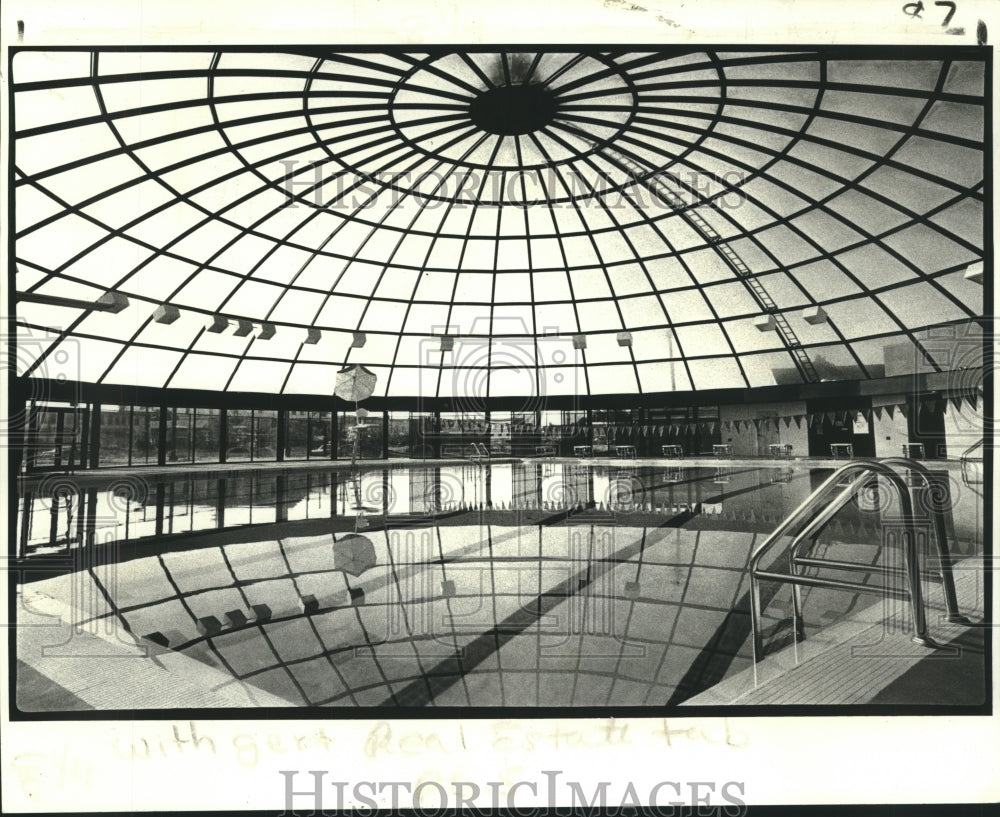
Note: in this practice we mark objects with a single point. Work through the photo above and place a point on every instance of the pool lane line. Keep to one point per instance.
(446, 672)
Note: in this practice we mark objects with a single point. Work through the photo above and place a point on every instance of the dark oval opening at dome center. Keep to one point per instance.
(513, 109)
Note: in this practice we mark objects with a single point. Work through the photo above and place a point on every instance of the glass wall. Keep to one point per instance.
(129, 435)
(61, 434)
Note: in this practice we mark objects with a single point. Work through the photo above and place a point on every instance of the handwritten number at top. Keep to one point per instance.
(914, 9)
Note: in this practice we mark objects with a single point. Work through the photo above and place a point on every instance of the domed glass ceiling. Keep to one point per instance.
(571, 223)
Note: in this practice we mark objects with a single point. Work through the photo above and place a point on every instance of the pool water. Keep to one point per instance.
(527, 584)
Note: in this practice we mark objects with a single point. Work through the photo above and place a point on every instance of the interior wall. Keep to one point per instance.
(962, 428)
(748, 442)
(890, 434)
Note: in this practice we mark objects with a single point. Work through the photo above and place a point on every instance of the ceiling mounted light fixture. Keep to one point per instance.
(166, 314)
(814, 315)
(216, 324)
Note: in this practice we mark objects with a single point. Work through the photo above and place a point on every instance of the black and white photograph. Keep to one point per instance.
(484, 383)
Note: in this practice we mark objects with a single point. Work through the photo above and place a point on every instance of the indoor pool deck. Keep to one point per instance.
(868, 657)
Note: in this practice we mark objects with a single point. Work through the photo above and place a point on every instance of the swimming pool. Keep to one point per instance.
(550, 584)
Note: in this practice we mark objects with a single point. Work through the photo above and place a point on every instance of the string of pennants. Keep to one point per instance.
(888, 408)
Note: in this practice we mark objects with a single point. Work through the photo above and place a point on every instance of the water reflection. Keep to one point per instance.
(60, 513)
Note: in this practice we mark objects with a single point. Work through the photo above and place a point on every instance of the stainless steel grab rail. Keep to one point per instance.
(945, 562)
(816, 511)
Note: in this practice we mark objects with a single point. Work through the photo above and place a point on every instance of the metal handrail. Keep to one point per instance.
(966, 459)
(945, 560)
(817, 512)
(973, 447)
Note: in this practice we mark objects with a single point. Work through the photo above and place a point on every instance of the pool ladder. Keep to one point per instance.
(817, 511)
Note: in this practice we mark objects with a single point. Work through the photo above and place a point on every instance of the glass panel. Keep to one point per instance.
(180, 435)
(238, 435)
(603, 430)
(145, 435)
(57, 441)
(116, 424)
(320, 434)
(462, 431)
(406, 435)
(500, 438)
(265, 435)
(296, 435)
(361, 438)
(206, 435)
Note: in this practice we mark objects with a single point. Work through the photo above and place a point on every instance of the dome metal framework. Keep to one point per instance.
(565, 222)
